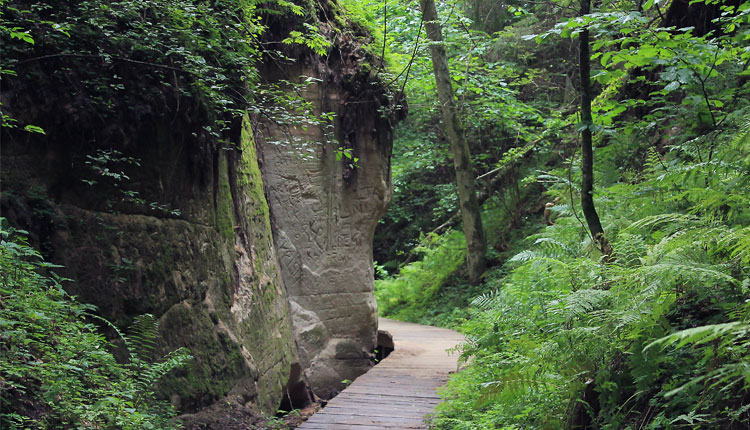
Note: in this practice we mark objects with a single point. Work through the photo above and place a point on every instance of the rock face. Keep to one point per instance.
(151, 210)
(209, 274)
(327, 193)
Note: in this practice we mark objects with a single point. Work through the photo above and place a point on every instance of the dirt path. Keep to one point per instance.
(400, 391)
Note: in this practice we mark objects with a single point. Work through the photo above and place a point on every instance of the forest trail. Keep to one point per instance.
(400, 392)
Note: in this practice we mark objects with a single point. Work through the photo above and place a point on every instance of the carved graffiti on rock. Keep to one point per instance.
(323, 234)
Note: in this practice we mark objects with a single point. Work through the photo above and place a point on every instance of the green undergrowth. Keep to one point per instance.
(654, 337)
(433, 289)
(411, 295)
(57, 370)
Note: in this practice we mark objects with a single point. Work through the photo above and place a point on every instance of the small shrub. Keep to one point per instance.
(56, 367)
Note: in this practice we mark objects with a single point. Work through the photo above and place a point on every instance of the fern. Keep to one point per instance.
(142, 335)
(140, 343)
(555, 179)
(738, 242)
(530, 256)
(630, 317)
(675, 221)
(701, 335)
(513, 384)
(731, 373)
(697, 274)
(547, 249)
(628, 249)
(740, 143)
(662, 329)
(562, 209)
(583, 303)
(150, 373)
(57, 365)
(553, 248)
(716, 202)
(525, 256)
(486, 301)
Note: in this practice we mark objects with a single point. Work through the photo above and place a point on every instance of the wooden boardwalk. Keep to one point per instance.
(400, 392)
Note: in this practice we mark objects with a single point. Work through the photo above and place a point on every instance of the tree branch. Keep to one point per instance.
(122, 59)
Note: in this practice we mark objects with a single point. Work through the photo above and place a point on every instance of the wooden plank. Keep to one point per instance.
(399, 406)
(382, 412)
(401, 391)
(368, 420)
(382, 400)
(358, 427)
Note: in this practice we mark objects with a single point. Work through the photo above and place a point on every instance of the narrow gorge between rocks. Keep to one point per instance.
(217, 214)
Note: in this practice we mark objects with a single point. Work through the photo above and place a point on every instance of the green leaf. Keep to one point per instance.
(698, 335)
(672, 86)
(22, 35)
(34, 129)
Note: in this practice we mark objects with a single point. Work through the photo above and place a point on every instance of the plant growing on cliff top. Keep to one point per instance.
(19, 33)
(56, 368)
(114, 55)
(106, 168)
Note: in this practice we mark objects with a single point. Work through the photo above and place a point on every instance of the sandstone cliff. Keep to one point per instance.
(325, 206)
(150, 211)
(210, 274)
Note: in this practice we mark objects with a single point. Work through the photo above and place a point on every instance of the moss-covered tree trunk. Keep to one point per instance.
(467, 196)
(587, 152)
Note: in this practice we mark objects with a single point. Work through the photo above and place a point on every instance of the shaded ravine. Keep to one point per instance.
(401, 391)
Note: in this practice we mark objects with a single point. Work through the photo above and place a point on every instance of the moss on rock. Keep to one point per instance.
(224, 214)
(218, 361)
(249, 176)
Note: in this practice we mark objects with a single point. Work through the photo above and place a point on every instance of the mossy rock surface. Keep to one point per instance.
(209, 274)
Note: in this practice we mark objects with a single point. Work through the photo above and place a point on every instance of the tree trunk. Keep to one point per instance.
(587, 152)
(467, 196)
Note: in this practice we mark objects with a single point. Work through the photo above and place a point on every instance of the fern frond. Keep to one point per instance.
(142, 334)
(486, 301)
(555, 179)
(656, 222)
(550, 250)
(698, 273)
(628, 249)
(524, 256)
(741, 139)
(630, 317)
(738, 242)
(689, 242)
(701, 168)
(717, 202)
(561, 209)
(700, 335)
(727, 376)
(106, 322)
(583, 302)
(724, 378)
(554, 248)
(150, 374)
(512, 384)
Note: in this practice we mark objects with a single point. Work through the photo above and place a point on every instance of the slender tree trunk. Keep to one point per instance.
(587, 153)
(467, 196)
